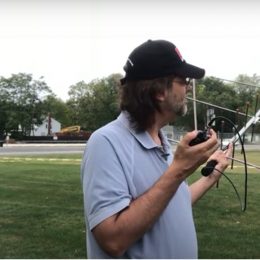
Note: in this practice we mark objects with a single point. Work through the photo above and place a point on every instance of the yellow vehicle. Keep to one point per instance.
(71, 132)
(71, 129)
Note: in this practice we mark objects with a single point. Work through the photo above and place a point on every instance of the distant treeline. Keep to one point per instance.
(25, 102)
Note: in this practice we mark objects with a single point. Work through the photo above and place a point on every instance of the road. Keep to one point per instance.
(29, 149)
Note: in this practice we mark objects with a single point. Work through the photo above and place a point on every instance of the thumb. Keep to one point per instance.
(190, 136)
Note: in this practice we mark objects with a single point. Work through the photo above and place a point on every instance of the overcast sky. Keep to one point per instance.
(70, 41)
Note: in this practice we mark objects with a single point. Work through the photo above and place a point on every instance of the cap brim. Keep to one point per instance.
(184, 70)
(187, 70)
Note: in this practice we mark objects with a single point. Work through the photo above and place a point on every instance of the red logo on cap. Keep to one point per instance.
(179, 54)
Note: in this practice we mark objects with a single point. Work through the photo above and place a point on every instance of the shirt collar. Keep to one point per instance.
(143, 137)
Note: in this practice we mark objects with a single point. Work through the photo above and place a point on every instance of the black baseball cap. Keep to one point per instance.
(158, 58)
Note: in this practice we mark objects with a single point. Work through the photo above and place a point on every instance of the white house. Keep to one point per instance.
(48, 127)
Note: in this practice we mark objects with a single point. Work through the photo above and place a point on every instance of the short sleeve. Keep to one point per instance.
(105, 184)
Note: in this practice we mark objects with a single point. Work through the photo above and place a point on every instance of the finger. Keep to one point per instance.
(212, 132)
(190, 136)
(228, 152)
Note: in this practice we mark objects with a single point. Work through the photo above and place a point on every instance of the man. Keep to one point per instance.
(137, 201)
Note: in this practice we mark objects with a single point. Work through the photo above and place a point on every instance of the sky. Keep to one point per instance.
(67, 41)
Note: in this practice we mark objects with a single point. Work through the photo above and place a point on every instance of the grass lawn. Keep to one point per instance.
(224, 231)
(42, 211)
(41, 208)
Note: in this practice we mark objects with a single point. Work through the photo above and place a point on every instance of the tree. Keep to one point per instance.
(94, 104)
(57, 108)
(20, 101)
(247, 91)
(77, 94)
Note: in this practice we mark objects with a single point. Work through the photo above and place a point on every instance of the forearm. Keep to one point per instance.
(117, 233)
(201, 186)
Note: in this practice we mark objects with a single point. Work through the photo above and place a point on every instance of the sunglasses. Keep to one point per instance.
(186, 81)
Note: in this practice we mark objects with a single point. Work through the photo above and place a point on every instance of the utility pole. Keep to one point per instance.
(49, 124)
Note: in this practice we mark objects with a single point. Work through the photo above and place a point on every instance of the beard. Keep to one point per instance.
(180, 109)
(177, 106)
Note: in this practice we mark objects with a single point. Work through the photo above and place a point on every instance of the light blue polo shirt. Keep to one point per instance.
(119, 165)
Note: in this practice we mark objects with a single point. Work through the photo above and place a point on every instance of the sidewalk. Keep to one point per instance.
(42, 144)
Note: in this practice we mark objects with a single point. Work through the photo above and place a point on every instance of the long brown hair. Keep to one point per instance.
(138, 98)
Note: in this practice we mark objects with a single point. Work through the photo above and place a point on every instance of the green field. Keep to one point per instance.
(41, 208)
(42, 211)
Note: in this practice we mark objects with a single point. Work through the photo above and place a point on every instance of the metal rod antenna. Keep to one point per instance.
(237, 82)
(233, 151)
(231, 158)
(194, 104)
(240, 161)
(173, 141)
(221, 134)
(212, 105)
(244, 135)
(253, 126)
(253, 120)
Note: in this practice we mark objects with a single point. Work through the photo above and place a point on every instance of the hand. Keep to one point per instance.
(188, 158)
(222, 158)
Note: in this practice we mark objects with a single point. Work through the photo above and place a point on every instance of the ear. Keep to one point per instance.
(160, 96)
